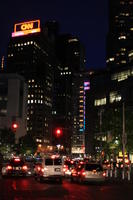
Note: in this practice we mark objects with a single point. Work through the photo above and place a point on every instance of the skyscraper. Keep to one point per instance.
(113, 86)
(81, 85)
(31, 54)
(71, 55)
(120, 36)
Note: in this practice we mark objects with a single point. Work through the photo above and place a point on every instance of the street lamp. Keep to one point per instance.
(124, 136)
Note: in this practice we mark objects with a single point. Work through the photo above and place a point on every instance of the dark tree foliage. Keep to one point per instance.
(27, 144)
(7, 137)
(112, 128)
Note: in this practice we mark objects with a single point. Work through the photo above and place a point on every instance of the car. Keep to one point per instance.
(15, 167)
(68, 167)
(106, 164)
(51, 168)
(88, 172)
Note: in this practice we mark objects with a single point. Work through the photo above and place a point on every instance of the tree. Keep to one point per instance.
(112, 123)
(27, 144)
(7, 141)
(7, 136)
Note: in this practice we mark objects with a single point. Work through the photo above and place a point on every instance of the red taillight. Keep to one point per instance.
(25, 167)
(65, 168)
(38, 168)
(83, 173)
(104, 174)
(9, 167)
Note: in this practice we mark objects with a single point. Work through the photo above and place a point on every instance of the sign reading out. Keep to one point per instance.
(26, 28)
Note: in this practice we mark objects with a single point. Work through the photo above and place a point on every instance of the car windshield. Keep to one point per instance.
(16, 163)
(48, 161)
(57, 161)
(90, 167)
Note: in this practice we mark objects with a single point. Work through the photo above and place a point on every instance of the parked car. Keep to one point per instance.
(15, 167)
(90, 172)
(51, 168)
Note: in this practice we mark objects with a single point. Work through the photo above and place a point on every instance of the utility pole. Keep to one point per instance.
(124, 138)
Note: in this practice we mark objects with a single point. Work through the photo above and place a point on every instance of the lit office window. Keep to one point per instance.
(123, 61)
(99, 102)
(114, 97)
(130, 55)
(111, 59)
(121, 75)
(122, 37)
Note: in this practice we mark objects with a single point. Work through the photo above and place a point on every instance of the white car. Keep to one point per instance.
(90, 172)
(51, 168)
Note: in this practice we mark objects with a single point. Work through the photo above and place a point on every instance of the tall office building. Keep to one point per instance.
(113, 86)
(81, 86)
(70, 53)
(31, 54)
(120, 36)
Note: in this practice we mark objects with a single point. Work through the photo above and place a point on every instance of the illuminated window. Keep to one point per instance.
(73, 40)
(121, 75)
(3, 111)
(99, 102)
(123, 61)
(76, 53)
(122, 37)
(130, 55)
(123, 49)
(114, 97)
(111, 59)
(81, 106)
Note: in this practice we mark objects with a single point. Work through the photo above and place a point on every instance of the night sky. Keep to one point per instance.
(86, 19)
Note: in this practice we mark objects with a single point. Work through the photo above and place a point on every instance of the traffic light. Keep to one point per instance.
(58, 132)
(14, 126)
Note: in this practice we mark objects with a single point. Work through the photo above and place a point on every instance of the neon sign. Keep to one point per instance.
(26, 28)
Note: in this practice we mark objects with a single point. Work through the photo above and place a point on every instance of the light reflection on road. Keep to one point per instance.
(29, 189)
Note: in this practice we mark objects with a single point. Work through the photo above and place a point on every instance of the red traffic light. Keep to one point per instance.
(58, 132)
(14, 126)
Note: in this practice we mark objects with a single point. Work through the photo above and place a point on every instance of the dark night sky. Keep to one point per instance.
(83, 18)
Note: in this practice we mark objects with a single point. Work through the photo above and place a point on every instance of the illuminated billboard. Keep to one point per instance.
(26, 28)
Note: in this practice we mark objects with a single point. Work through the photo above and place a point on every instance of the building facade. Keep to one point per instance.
(112, 87)
(70, 53)
(13, 103)
(120, 34)
(81, 86)
(31, 54)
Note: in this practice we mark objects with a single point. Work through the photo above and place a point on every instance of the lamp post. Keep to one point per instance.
(124, 137)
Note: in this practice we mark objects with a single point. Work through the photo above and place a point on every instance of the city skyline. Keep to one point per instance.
(88, 21)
